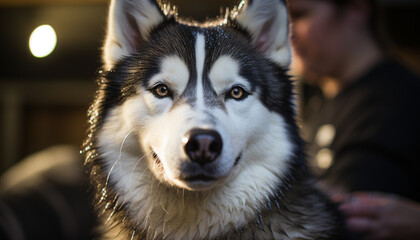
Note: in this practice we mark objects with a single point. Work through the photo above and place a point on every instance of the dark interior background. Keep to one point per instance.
(43, 101)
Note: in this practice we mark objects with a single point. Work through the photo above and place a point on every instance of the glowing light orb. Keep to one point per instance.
(42, 41)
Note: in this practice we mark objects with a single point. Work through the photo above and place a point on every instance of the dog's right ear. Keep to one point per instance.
(129, 25)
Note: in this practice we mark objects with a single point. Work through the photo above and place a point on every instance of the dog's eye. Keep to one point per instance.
(161, 91)
(237, 93)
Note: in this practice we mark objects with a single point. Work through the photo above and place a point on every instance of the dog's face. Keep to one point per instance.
(197, 128)
(196, 116)
(192, 103)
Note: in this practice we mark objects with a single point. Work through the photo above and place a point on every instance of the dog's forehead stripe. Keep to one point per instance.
(200, 55)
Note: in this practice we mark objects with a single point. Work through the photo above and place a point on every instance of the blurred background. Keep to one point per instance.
(44, 100)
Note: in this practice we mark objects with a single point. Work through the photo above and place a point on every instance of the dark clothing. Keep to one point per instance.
(377, 131)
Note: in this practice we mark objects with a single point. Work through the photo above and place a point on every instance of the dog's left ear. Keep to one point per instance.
(268, 23)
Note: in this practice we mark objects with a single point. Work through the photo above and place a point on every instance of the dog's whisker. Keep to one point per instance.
(132, 172)
(144, 170)
(118, 159)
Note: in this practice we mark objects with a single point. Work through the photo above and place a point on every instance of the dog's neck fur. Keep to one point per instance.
(188, 217)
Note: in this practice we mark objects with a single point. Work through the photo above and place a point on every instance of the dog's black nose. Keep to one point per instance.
(203, 146)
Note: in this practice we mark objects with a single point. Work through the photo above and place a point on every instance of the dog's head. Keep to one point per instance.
(197, 105)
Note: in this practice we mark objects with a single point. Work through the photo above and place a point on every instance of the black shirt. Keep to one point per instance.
(367, 137)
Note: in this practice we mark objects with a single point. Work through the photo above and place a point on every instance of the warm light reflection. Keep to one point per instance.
(42, 41)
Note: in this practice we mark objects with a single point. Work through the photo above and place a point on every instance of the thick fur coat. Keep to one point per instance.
(192, 133)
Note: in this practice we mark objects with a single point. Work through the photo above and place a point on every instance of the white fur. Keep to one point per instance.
(267, 20)
(200, 54)
(175, 74)
(225, 73)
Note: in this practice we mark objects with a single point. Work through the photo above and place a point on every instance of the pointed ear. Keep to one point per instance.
(268, 23)
(129, 25)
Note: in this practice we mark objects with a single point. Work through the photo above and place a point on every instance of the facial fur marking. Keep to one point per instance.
(200, 54)
(173, 72)
(225, 73)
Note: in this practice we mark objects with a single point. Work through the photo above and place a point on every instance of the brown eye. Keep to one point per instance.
(161, 91)
(238, 93)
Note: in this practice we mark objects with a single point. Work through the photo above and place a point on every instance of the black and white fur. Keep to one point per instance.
(168, 81)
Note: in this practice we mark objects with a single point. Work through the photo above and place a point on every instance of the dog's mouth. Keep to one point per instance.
(194, 178)
(237, 159)
(199, 182)
(158, 163)
(155, 156)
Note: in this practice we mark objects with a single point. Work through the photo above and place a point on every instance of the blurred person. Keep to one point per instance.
(382, 216)
(360, 111)
(361, 106)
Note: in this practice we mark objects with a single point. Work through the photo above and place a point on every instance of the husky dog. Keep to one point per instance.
(193, 134)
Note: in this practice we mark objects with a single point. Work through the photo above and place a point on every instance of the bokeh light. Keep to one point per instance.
(42, 41)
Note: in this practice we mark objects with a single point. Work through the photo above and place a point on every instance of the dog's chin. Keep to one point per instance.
(201, 182)
(197, 185)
